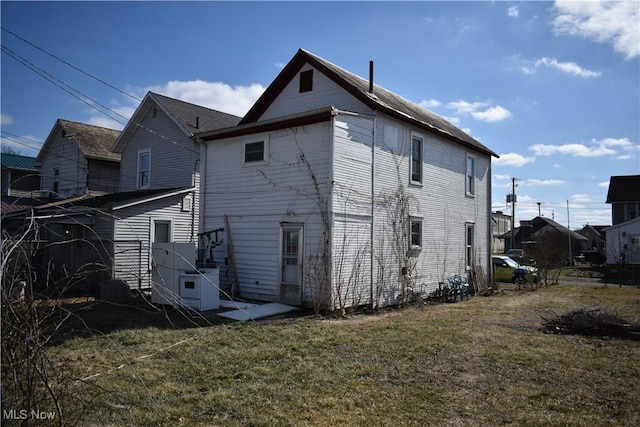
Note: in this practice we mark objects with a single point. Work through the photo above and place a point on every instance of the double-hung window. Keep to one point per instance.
(416, 233)
(471, 176)
(255, 152)
(144, 169)
(469, 238)
(416, 159)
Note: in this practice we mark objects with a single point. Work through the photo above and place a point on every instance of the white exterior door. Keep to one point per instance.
(291, 260)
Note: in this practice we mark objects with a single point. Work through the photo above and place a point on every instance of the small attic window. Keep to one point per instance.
(306, 81)
(154, 112)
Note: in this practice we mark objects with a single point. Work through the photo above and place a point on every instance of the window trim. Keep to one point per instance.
(417, 221)
(416, 137)
(470, 180)
(139, 184)
(265, 152)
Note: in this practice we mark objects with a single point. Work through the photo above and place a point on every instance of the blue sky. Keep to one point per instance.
(552, 87)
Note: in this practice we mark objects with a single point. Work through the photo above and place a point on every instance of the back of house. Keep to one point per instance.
(344, 193)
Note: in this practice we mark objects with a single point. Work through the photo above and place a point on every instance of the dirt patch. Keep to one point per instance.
(593, 323)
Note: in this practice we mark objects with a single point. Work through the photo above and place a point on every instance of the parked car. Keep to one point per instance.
(504, 269)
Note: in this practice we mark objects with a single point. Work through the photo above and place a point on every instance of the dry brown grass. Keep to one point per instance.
(481, 362)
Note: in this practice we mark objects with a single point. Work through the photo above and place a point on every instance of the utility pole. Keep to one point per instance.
(569, 229)
(512, 198)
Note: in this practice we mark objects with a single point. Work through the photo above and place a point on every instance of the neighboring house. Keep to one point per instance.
(623, 243)
(158, 153)
(624, 197)
(76, 159)
(525, 235)
(596, 238)
(20, 178)
(501, 224)
(340, 193)
(158, 178)
(623, 237)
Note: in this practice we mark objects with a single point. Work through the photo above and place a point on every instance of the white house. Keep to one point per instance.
(623, 242)
(76, 159)
(338, 192)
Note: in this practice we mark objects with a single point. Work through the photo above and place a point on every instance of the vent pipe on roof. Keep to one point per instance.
(197, 122)
(370, 76)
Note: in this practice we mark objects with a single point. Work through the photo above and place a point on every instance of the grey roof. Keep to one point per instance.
(190, 118)
(94, 141)
(624, 188)
(187, 113)
(381, 100)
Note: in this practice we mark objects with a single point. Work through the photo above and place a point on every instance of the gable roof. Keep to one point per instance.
(380, 100)
(625, 188)
(16, 161)
(189, 118)
(94, 141)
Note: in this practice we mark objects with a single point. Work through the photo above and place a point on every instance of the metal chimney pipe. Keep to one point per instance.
(370, 76)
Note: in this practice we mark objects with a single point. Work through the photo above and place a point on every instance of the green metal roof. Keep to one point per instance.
(16, 161)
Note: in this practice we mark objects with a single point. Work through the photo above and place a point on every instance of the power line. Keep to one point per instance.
(71, 65)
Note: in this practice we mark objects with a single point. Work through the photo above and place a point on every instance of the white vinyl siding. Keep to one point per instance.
(324, 93)
(174, 156)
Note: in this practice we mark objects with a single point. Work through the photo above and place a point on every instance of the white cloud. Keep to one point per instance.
(482, 111)
(429, 103)
(452, 119)
(614, 22)
(513, 159)
(6, 120)
(279, 65)
(513, 11)
(492, 114)
(603, 184)
(605, 147)
(567, 67)
(215, 95)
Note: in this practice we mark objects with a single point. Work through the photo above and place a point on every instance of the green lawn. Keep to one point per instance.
(480, 362)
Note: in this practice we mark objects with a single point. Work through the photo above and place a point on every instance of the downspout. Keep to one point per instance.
(193, 200)
(489, 265)
(330, 212)
(373, 214)
(203, 180)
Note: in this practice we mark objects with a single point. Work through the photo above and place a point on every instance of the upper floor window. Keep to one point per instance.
(255, 152)
(144, 169)
(416, 160)
(56, 179)
(306, 81)
(471, 176)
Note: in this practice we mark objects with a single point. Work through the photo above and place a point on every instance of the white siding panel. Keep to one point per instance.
(68, 158)
(173, 154)
(133, 224)
(290, 187)
(325, 93)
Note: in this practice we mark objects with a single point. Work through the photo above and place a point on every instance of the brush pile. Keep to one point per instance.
(593, 323)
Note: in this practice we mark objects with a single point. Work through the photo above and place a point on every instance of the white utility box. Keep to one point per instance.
(200, 290)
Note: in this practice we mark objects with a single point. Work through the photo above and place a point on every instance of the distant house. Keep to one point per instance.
(501, 224)
(76, 159)
(20, 178)
(623, 237)
(338, 192)
(158, 178)
(525, 235)
(596, 238)
(624, 197)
